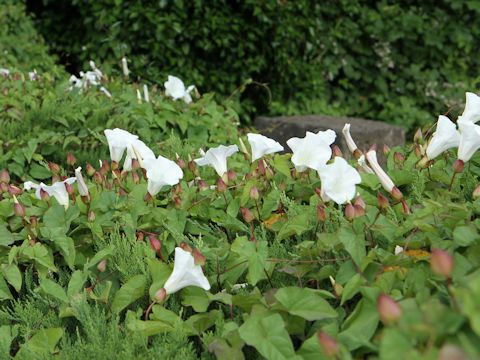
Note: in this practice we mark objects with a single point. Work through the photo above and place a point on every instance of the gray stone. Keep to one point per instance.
(364, 132)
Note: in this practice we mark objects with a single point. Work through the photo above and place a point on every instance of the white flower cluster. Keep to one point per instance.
(91, 78)
(466, 137)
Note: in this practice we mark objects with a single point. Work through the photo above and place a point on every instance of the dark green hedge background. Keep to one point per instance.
(399, 61)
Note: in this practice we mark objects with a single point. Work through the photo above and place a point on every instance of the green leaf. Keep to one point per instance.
(268, 335)
(6, 237)
(224, 351)
(99, 256)
(75, 285)
(52, 288)
(13, 275)
(295, 225)
(132, 290)
(44, 342)
(5, 293)
(281, 163)
(7, 334)
(306, 303)
(196, 298)
(351, 288)
(255, 253)
(354, 244)
(465, 235)
(149, 327)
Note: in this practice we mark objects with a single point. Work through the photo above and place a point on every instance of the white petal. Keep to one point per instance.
(445, 137)
(174, 87)
(217, 158)
(313, 151)
(161, 172)
(471, 113)
(262, 145)
(384, 179)
(469, 140)
(339, 181)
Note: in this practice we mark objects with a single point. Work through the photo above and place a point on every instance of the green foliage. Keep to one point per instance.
(20, 45)
(384, 60)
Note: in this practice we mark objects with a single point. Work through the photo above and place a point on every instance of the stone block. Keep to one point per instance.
(364, 132)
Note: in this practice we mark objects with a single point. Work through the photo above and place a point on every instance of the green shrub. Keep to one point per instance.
(20, 45)
(386, 60)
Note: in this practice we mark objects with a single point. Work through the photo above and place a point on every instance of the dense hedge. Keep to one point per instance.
(20, 45)
(395, 61)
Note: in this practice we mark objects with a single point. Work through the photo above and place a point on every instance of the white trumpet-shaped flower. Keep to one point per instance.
(348, 138)
(217, 158)
(4, 72)
(262, 145)
(175, 88)
(118, 141)
(398, 250)
(445, 137)
(82, 187)
(469, 140)
(139, 151)
(339, 180)
(185, 273)
(57, 190)
(385, 180)
(312, 151)
(161, 172)
(471, 113)
(125, 70)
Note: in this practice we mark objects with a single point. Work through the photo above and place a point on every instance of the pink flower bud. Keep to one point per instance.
(33, 221)
(329, 345)
(396, 193)
(388, 309)
(321, 215)
(458, 166)
(198, 257)
(418, 137)
(231, 175)
(247, 215)
(4, 176)
(398, 158)
(254, 195)
(382, 201)
(181, 163)
(14, 190)
(221, 186)
(89, 169)
(161, 295)
(44, 195)
(135, 177)
(69, 188)
(336, 151)
(202, 185)
(261, 167)
(102, 266)
(360, 202)
(71, 160)
(54, 168)
(441, 263)
(140, 236)
(359, 211)
(349, 212)
(154, 243)
(18, 208)
(452, 352)
(98, 178)
(104, 170)
(192, 166)
(185, 247)
(386, 149)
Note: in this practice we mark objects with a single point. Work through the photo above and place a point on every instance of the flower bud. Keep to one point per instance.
(14, 190)
(388, 309)
(44, 195)
(329, 345)
(184, 246)
(3, 187)
(102, 266)
(398, 158)
(336, 151)
(198, 257)
(321, 215)
(154, 243)
(181, 163)
(148, 198)
(89, 169)
(135, 177)
(386, 149)
(4, 176)
(458, 166)
(192, 166)
(18, 208)
(357, 154)
(405, 208)
(396, 193)
(91, 216)
(382, 201)
(69, 188)
(202, 185)
(231, 175)
(452, 352)
(254, 195)
(140, 235)
(71, 160)
(135, 164)
(161, 295)
(418, 151)
(247, 215)
(337, 288)
(105, 168)
(221, 186)
(476, 192)
(178, 201)
(441, 263)
(360, 202)
(33, 220)
(418, 137)
(98, 178)
(261, 167)
(358, 211)
(54, 168)
(349, 212)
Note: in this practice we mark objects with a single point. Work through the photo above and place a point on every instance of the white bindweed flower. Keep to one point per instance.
(139, 151)
(339, 180)
(445, 137)
(312, 151)
(146, 94)
(471, 113)
(398, 250)
(82, 187)
(125, 70)
(32, 75)
(185, 273)
(4, 72)
(262, 145)
(217, 158)
(385, 180)
(118, 141)
(469, 140)
(363, 164)
(175, 88)
(106, 92)
(57, 190)
(161, 172)
(348, 138)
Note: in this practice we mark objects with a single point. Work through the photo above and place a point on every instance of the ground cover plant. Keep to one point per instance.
(235, 250)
